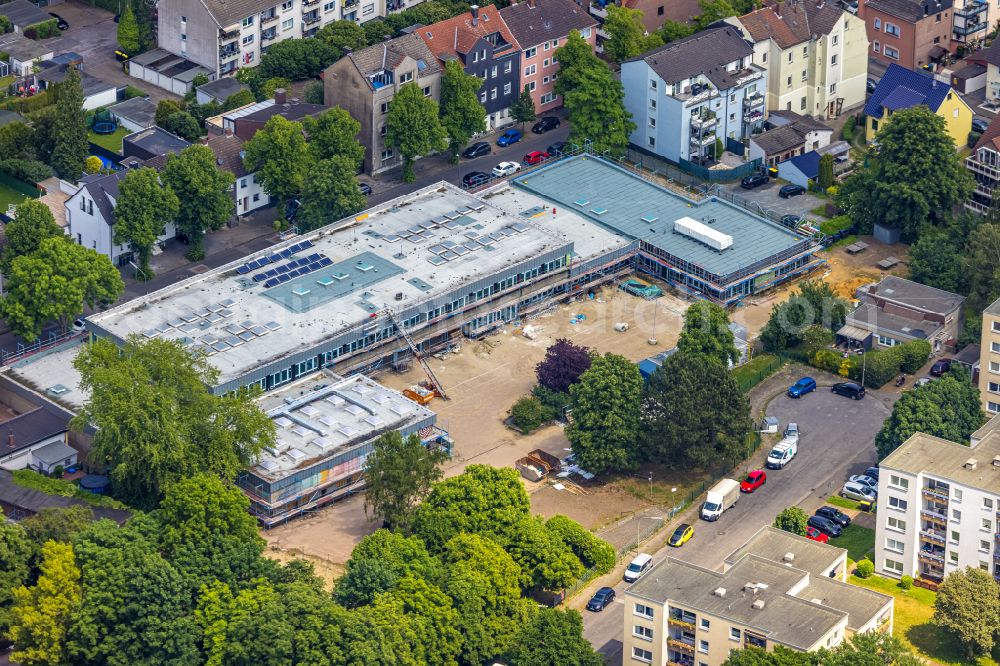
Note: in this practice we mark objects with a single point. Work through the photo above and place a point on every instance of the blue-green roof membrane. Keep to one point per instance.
(309, 291)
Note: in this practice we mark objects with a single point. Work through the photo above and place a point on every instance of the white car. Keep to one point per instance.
(865, 480)
(857, 491)
(506, 169)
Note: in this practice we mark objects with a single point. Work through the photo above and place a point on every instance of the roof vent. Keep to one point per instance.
(720, 592)
(996, 461)
(759, 604)
(970, 463)
(788, 557)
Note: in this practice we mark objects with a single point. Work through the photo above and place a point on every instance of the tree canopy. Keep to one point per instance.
(275, 154)
(398, 474)
(706, 331)
(628, 34)
(562, 366)
(523, 110)
(69, 129)
(142, 210)
(205, 191)
(330, 193)
(968, 607)
(296, 59)
(334, 134)
(462, 115)
(814, 304)
(33, 222)
(793, 519)
(553, 636)
(413, 127)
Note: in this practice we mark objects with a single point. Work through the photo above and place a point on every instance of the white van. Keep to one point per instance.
(637, 567)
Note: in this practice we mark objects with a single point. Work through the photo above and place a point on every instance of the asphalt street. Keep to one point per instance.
(837, 436)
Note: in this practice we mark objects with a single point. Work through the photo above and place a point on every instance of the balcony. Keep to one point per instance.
(931, 554)
(351, 3)
(703, 122)
(702, 141)
(686, 645)
(751, 640)
(753, 116)
(309, 19)
(933, 536)
(934, 517)
(753, 100)
(268, 35)
(309, 3)
(971, 9)
(680, 660)
(934, 493)
(228, 54)
(682, 621)
(228, 36)
(268, 18)
(971, 27)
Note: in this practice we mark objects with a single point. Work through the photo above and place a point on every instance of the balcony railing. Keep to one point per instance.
(753, 116)
(678, 644)
(228, 36)
(932, 535)
(969, 28)
(681, 622)
(309, 3)
(227, 54)
(351, 3)
(931, 556)
(753, 100)
(264, 20)
(310, 19)
(268, 35)
(703, 122)
(707, 140)
(934, 516)
(971, 9)
(755, 641)
(931, 492)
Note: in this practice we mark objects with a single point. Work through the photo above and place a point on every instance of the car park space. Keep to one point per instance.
(768, 197)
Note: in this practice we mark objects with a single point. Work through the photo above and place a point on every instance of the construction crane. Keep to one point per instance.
(401, 332)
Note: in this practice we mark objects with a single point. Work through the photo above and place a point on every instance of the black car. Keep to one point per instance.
(754, 180)
(791, 221)
(474, 178)
(825, 525)
(872, 472)
(365, 188)
(545, 124)
(557, 148)
(980, 125)
(789, 191)
(292, 209)
(940, 367)
(849, 390)
(60, 21)
(834, 515)
(601, 599)
(870, 85)
(477, 150)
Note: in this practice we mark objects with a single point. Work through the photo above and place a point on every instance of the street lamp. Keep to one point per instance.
(638, 519)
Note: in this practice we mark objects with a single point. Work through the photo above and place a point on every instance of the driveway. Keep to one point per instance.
(837, 439)
(766, 196)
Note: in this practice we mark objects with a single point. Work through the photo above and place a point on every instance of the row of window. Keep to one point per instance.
(533, 51)
(530, 70)
(890, 28)
(888, 51)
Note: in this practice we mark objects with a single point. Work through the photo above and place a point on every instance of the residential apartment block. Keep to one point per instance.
(984, 163)
(912, 33)
(989, 359)
(364, 83)
(816, 56)
(541, 27)
(939, 506)
(689, 94)
(777, 589)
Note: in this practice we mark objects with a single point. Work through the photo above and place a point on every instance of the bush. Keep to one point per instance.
(593, 552)
(42, 30)
(835, 225)
(847, 134)
(832, 191)
(58, 471)
(914, 354)
(27, 478)
(529, 413)
(878, 367)
(93, 164)
(557, 401)
(973, 139)
(29, 171)
(826, 359)
(906, 582)
(131, 91)
(865, 569)
(25, 105)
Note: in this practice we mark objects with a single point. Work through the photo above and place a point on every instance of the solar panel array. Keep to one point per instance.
(449, 250)
(292, 269)
(266, 260)
(193, 322)
(420, 233)
(233, 335)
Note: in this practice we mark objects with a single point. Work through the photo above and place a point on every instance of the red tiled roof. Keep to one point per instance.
(991, 137)
(457, 35)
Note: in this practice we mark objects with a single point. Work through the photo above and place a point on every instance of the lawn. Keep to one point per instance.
(912, 622)
(9, 196)
(859, 541)
(756, 370)
(842, 502)
(112, 142)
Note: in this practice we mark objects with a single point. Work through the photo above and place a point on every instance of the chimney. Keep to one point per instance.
(279, 96)
(475, 14)
(759, 604)
(720, 592)
(789, 557)
(970, 464)
(10, 439)
(996, 461)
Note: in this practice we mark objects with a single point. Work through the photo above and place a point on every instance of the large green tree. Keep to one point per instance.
(184, 125)
(16, 556)
(694, 413)
(275, 154)
(145, 18)
(968, 606)
(814, 304)
(706, 331)
(399, 473)
(205, 191)
(142, 210)
(42, 614)
(426, 616)
(936, 261)
(523, 110)
(627, 33)
(69, 131)
(54, 283)
(33, 222)
(948, 408)
(982, 266)
(593, 97)
(296, 59)
(157, 423)
(330, 193)
(606, 404)
(793, 519)
(546, 562)
(462, 116)
(128, 31)
(871, 648)
(343, 35)
(413, 127)
(379, 562)
(334, 134)
(553, 637)
(914, 180)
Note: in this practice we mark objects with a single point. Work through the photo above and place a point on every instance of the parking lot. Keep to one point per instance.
(766, 196)
(837, 439)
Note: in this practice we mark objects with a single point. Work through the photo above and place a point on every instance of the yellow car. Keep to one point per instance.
(681, 535)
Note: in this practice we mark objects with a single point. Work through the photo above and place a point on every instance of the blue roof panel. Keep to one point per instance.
(920, 87)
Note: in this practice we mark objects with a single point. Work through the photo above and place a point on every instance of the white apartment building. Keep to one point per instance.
(939, 506)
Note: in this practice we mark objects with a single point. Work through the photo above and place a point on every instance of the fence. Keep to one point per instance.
(721, 175)
(750, 374)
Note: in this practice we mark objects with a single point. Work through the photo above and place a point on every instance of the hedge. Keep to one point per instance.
(42, 30)
(592, 551)
(30, 171)
(27, 478)
(878, 366)
(29, 104)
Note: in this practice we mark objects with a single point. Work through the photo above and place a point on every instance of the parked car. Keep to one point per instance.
(601, 599)
(509, 137)
(506, 169)
(754, 480)
(642, 563)
(535, 157)
(365, 188)
(870, 85)
(852, 7)
(815, 535)
(801, 387)
(474, 178)
(940, 367)
(857, 491)
(849, 390)
(61, 23)
(545, 124)
(789, 191)
(681, 535)
(980, 125)
(292, 209)
(872, 472)
(865, 481)
(834, 515)
(791, 220)
(477, 150)
(827, 527)
(79, 326)
(557, 148)
(791, 430)
(754, 180)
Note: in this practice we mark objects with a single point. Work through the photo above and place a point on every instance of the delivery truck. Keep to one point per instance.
(723, 495)
(782, 453)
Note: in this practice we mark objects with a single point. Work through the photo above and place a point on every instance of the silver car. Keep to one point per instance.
(866, 480)
(858, 492)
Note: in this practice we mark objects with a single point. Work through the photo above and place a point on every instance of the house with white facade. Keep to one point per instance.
(693, 92)
(36, 439)
(247, 191)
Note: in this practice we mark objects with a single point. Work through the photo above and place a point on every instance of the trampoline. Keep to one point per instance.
(103, 123)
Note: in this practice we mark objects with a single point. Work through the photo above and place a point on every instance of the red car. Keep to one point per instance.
(535, 157)
(816, 535)
(754, 480)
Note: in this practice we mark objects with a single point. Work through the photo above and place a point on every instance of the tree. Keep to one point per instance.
(184, 125)
(871, 648)
(780, 656)
(671, 31)
(69, 129)
(915, 180)
(93, 164)
(481, 500)
(432, 634)
(594, 98)
(606, 414)
(937, 262)
(42, 613)
(627, 33)
(164, 109)
(546, 562)
(142, 211)
(717, 10)
(968, 606)
(194, 178)
(5, 25)
(54, 283)
(694, 413)
(948, 408)
(825, 178)
(296, 59)
(398, 474)
(33, 222)
(275, 154)
(592, 551)
(330, 193)
(814, 304)
(145, 19)
(60, 524)
(44, 139)
(982, 266)
(157, 423)
(462, 116)
(379, 562)
(16, 556)
(553, 637)
(562, 366)
(706, 331)
(523, 110)
(793, 519)
(413, 127)
(528, 414)
(269, 87)
(236, 100)
(16, 140)
(363, 582)
(314, 93)
(343, 35)
(128, 31)
(334, 133)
